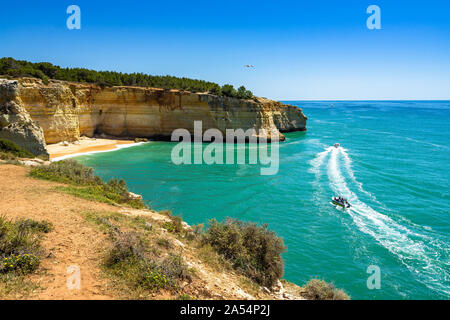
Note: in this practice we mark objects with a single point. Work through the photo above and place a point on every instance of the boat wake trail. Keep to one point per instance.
(316, 165)
(348, 167)
(318, 161)
(417, 251)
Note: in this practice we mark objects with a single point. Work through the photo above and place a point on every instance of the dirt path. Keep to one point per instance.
(72, 242)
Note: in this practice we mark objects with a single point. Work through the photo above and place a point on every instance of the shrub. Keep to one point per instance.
(67, 171)
(174, 267)
(126, 245)
(163, 274)
(20, 248)
(10, 151)
(73, 172)
(320, 290)
(154, 279)
(131, 260)
(15, 241)
(24, 263)
(252, 249)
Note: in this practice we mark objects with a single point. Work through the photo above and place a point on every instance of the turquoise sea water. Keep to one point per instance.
(393, 166)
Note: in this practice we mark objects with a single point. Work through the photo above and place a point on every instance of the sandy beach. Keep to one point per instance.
(86, 145)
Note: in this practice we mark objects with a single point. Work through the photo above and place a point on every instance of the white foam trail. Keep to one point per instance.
(420, 259)
(348, 167)
(317, 162)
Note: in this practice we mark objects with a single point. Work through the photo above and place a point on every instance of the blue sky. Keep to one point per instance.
(300, 49)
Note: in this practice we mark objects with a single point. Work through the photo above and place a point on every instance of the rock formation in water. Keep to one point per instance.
(15, 122)
(67, 110)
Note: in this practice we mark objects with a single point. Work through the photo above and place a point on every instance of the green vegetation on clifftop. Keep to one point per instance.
(46, 71)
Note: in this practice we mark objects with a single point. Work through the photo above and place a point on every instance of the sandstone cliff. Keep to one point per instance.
(67, 110)
(15, 122)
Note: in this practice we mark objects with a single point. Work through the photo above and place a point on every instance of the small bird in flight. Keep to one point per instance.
(249, 66)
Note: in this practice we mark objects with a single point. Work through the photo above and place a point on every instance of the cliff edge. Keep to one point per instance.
(67, 110)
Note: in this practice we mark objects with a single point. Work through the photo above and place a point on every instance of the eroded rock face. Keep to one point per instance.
(55, 108)
(16, 124)
(68, 110)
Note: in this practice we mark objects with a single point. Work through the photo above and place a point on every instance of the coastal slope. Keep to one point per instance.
(76, 240)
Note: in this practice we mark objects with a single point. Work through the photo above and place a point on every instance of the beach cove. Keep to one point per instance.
(65, 150)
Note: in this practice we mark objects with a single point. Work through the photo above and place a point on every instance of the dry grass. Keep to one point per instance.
(16, 286)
